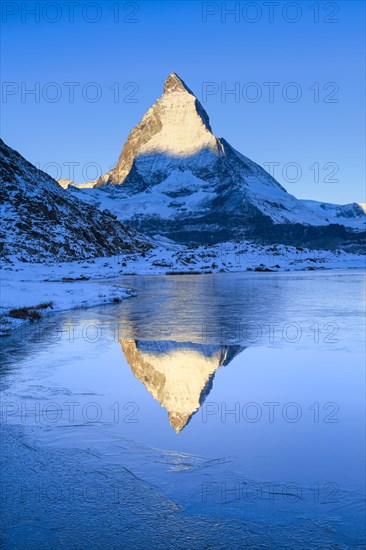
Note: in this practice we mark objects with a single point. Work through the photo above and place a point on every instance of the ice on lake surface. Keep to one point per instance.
(210, 411)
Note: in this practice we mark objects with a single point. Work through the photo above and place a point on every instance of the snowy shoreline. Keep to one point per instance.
(53, 287)
(25, 301)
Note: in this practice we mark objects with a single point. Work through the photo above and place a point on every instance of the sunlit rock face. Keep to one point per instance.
(177, 374)
(175, 178)
(173, 129)
(65, 183)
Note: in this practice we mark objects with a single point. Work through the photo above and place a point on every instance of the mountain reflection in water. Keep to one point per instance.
(177, 374)
(180, 330)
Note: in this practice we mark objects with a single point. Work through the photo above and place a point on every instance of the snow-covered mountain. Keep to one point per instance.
(175, 178)
(350, 215)
(39, 220)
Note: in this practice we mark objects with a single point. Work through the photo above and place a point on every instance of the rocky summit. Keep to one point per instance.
(174, 178)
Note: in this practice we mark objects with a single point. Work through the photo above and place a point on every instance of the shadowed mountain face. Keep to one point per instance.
(175, 178)
(39, 220)
(177, 374)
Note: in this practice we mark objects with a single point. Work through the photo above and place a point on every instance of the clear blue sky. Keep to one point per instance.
(202, 43)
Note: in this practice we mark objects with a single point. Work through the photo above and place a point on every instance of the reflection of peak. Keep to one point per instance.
(178, 420)
(178, 374)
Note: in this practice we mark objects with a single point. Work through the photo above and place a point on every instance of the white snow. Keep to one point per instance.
(350, 215)
(193, 194)
(28, 285)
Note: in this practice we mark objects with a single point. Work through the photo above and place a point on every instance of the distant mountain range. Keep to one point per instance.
(175, 178)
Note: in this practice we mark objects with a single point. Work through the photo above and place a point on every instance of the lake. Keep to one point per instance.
(208, 411)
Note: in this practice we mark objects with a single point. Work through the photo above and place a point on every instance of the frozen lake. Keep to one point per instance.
(210, 411)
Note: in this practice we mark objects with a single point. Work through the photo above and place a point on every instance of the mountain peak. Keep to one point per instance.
(175, 127)
(175, 84)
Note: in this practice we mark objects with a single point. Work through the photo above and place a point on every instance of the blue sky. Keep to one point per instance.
(312, 51)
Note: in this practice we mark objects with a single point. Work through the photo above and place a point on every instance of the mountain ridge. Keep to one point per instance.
(40, 220)
(176, 179)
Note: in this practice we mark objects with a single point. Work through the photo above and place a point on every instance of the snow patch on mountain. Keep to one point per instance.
(351, 215)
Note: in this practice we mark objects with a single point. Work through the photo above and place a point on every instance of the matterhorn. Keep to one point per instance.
(175, 178)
